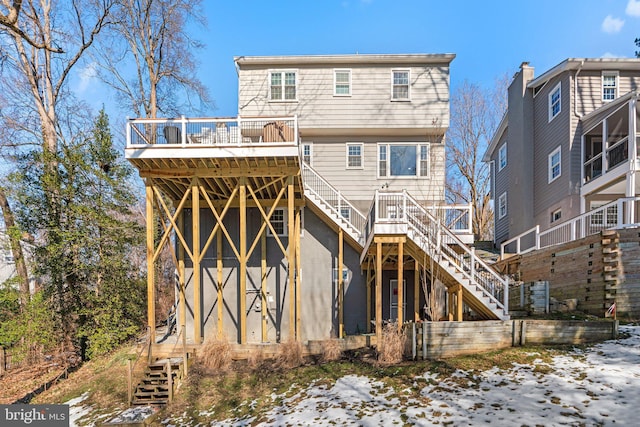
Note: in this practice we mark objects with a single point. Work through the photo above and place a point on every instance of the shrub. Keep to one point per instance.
(289, 354)
(331, 350)
(391, 347)
(216, 354)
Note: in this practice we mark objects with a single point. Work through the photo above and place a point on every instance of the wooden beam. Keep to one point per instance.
(400, 285)
(263, 285)
(220, 284)
(243, 260)
(340, 284)
(368, 299)
(291, 257)
(459, 304)
(378, 293)
(151, 290)
(298, 277)
(416, 291)
(195, 237)
(181, 279)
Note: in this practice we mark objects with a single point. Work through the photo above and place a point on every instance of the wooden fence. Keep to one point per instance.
(435, 340)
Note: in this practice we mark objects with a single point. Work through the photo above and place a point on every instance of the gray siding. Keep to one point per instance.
(501, 184)
(589, 94)
(369, 106)
(359, 185)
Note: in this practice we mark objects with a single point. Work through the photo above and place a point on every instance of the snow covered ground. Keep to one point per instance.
(597, 387)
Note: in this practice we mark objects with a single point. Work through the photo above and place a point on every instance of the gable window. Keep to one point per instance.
(556, 215)
(400, 85)
(502, 157)
(555, 101)
(342, 82)
(609, 86)
(279, 222)
(403, 160)
(354, 156)
(555, 159)
(502, 205)
(307, 154)
(283, 85)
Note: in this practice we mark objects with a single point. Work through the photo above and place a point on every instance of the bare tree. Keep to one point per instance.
(150, 60)
(16, 248)
(475, 114)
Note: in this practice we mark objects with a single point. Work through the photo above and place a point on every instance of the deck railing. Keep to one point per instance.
(619, 213)
(238, 131)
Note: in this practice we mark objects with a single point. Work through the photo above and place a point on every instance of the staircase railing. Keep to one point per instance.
(333, 199)
(430, 233)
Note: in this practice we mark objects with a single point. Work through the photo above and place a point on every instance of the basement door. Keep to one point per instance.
(394, 299)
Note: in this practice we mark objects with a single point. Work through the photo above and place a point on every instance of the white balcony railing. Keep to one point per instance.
(211, 131)
(619, 213)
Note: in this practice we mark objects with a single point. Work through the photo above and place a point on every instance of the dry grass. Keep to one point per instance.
(391, 347)
(289, 355)
(331, 350)
(256, 359)
(216, 354)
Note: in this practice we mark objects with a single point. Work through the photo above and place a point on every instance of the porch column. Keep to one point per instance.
(378, 293)
(219, 287)
(291, 258)
(195, 237)
(451, 305)
(459, 303)
(416, 291)
(263, 284)
(400, 285)
(243, 260)
(340, 285)
(181, 277)
(151, 290)
(298, 276)
(369, 299)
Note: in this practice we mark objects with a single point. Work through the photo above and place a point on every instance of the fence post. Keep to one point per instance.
(424, 341)
(129, 382)
(414, 341)
(537, 237)
(473, 262)
(169, 379)
(506, 296)
(184, 352)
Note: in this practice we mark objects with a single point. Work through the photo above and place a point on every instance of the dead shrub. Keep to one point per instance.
(216, 354)
(331, 350)
(391, 347)
(256, 359)
(289, 354)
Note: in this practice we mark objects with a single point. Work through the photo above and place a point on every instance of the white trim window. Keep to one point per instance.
(355, 155)
(609, 85)
(279, 221)
(283, 85)
(555, 101)
(555, 164)
(307, 153)
(400, 87)
(556, 215)
(502, 205)
(502, 157)
(403, 160)
(342, 82)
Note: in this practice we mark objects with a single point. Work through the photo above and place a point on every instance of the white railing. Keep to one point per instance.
(333, 200)
(435, 238)
(619, 213)
(211, 131)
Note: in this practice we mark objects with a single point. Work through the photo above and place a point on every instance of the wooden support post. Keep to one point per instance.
(151, 289)
(400, 285)
(451, 306)
(195, 237)
(368, 299)
(263, 284)
(243, 260)
(459, 304)
(129, 381)
(298, 277)
(378, 293)
(340, 284)
(219, 287)
(291, 257)
(182, 302)
(169, 378)
(416, 291)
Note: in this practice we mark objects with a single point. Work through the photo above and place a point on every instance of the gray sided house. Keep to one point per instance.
(319, 210)
(564, 160)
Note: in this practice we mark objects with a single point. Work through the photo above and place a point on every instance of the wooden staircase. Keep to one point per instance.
(159, 381)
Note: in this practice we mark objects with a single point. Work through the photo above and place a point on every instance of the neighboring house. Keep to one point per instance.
(7, 262)
(300, 218)
(565, 156)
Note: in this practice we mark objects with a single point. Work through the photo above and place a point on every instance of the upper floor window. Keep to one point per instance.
(403, 160)
(283, 85)
(502, 157)
(502, 205)
(307, 153)
(556, 215)
(400, 85)
(555, 102)
(342, 82)
(354, 156)
(609, 85)
(555, 159)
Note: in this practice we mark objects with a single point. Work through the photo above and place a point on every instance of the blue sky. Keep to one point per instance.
(490, 38)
